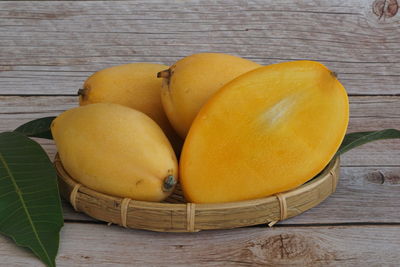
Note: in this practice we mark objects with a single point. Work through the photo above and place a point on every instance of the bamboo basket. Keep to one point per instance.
(176, 215)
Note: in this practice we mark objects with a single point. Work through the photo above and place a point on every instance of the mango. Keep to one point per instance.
(116, 150)
(267, 131)
(191, 81)
(133, 85)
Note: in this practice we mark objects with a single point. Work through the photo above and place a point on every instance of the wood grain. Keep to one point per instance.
(100, 245)
(51, 47)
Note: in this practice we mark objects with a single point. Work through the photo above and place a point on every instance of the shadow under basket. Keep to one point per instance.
(176, 215)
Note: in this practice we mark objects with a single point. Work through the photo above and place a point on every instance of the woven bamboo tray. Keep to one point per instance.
(175, 215)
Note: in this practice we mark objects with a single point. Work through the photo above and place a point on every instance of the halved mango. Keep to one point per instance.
(267, 131)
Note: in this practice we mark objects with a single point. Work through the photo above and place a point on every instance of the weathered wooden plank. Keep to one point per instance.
(51, 47)
(88, 244)
(364, 194)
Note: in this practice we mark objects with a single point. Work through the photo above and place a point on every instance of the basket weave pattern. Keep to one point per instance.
(175, 215)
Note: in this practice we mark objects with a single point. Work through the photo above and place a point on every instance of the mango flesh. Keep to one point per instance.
(133, 85)
(268, 131)
(191, 81)
(116, 150)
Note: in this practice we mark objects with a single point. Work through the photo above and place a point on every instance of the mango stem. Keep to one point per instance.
(81, 92)
(164, 74)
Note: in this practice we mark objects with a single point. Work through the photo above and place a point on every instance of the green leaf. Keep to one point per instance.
(37, 128)
(30, 207)
(353, 140)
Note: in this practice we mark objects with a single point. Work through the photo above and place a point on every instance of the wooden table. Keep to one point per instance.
(47, 49)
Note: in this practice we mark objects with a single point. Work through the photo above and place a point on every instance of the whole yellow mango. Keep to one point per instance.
(191, 81)
(116, 150)
(268, 131)
(133, 85)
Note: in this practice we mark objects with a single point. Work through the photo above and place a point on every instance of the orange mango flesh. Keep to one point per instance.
(267, 131)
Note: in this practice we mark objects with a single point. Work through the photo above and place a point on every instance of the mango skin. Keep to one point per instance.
(115, 150)
(133, 85)
(193, 80)
(267, 131)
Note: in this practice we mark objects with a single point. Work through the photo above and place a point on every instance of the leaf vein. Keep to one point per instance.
(2, 160)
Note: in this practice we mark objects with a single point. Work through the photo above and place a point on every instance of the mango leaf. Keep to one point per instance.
(37, 128)
(30, 206)
(353, 140)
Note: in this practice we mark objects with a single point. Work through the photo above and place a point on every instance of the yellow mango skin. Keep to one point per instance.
(193, 80)
(115, 150)
(133, 85)
(268, 131)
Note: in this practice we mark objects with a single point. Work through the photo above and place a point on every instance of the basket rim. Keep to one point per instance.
(313, 182)
(193, 217)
